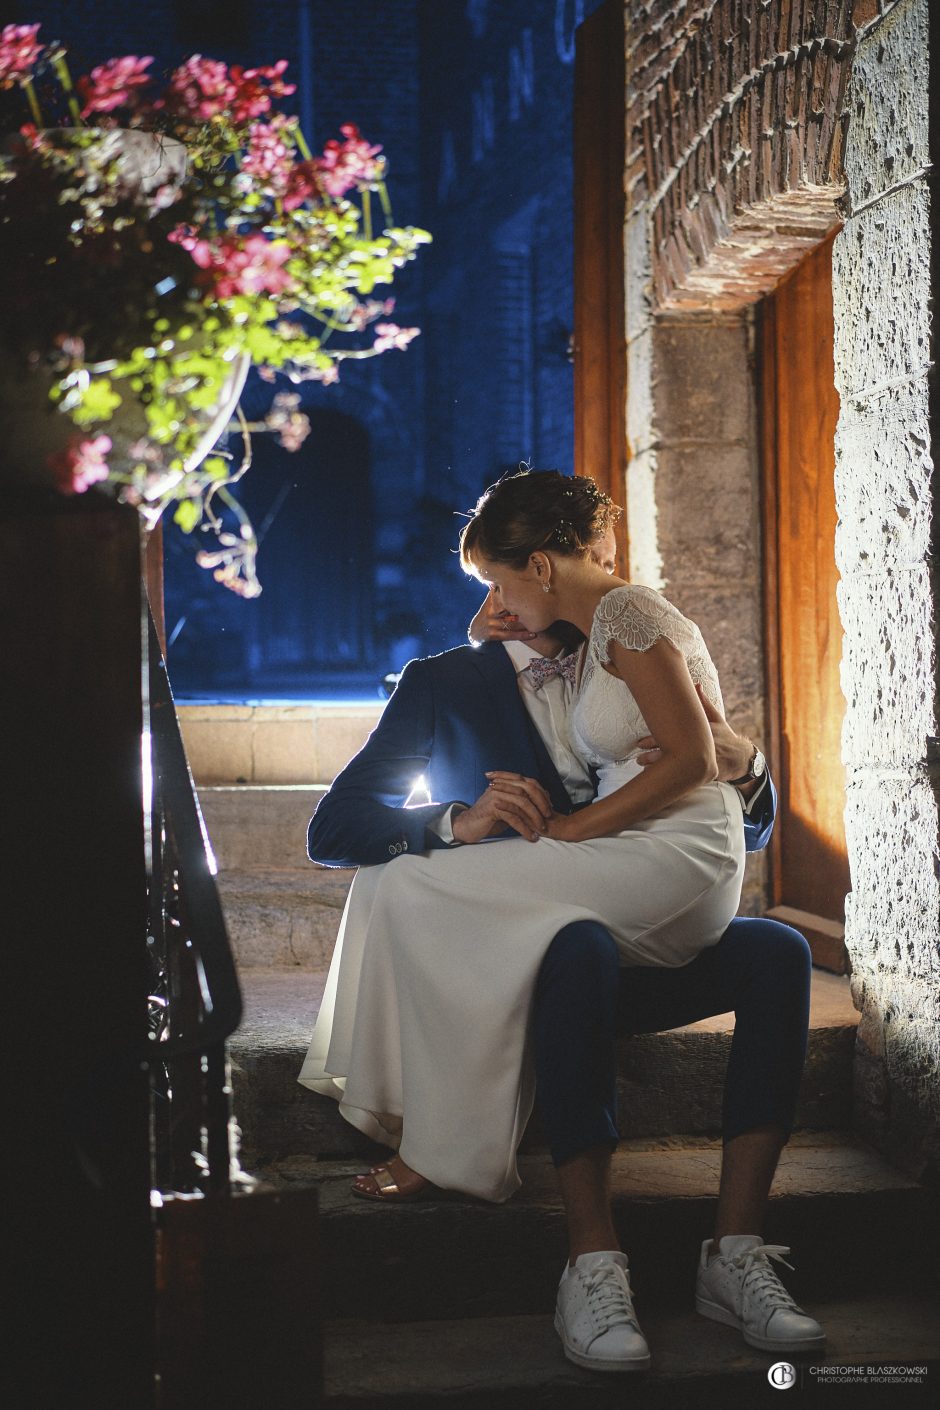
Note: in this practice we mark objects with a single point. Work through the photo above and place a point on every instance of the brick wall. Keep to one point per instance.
(735, 129)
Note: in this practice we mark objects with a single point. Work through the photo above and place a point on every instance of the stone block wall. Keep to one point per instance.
(705, 439)
(694, 501)
(881, 292)
(752, 132)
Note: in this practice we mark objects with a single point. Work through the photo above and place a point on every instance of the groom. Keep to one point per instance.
(452, 719)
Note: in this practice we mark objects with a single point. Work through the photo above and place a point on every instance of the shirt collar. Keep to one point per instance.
(521, 654)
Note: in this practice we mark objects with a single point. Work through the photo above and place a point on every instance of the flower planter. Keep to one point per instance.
(35, 429)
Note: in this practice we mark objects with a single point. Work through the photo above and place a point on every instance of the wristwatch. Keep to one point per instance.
(755, 769)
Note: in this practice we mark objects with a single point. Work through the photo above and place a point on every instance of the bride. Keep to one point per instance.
(422, 1035)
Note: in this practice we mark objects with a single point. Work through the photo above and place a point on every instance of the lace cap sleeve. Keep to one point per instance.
(637, 617)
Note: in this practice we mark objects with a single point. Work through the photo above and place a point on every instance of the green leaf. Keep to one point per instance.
(99, 402)
(188, 513)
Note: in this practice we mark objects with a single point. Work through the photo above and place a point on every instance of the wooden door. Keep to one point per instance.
(600, 359)
(810, 873)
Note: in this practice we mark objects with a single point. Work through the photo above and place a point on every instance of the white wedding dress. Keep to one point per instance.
(422, 1033)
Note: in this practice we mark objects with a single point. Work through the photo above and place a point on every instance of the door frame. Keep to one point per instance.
(600, 342)
(826, 935)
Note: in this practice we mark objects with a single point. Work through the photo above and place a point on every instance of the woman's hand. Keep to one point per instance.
(492, 623)
(552, 824)
(510, 801)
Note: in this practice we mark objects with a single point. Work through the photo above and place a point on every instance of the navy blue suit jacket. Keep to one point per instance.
(451, 718)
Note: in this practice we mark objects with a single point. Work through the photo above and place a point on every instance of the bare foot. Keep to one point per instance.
(393, 1181)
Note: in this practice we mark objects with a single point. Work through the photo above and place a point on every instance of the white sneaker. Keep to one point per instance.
(738, 1286)
(594, 1315)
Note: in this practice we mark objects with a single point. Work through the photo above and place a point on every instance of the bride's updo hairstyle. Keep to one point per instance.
(536, 509)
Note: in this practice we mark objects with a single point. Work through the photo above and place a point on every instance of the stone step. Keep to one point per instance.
(284, 917)
(253, 825)
(852, 1223)
(670, 1083)
(516, 1363)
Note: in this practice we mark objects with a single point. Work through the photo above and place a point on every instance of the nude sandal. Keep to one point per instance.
(390, 1192)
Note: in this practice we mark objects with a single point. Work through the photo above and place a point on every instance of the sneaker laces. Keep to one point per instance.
(610, 1302)
(760, 1277)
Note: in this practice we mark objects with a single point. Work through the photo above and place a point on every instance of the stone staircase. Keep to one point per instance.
(449, 1303)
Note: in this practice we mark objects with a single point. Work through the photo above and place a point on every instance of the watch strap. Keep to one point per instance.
(751, 774)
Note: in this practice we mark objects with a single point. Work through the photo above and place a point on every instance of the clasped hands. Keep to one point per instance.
(510, 801)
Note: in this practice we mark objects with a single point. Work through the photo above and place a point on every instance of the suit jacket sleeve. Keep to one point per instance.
(759, 824)
(362, 820)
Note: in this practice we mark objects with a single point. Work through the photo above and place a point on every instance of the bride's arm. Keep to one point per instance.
(660, 683)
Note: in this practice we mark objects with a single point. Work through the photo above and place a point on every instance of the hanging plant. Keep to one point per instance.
(156, 241)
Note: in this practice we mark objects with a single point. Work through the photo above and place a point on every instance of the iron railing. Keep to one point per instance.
(195, 1000)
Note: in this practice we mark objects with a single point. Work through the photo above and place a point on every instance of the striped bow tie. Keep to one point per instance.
(542, 668)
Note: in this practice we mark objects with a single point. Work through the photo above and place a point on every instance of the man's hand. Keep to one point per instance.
(733, 751)
(491, 623)
(510, 801)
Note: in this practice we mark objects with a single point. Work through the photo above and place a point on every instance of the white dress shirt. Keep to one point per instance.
(548, 710)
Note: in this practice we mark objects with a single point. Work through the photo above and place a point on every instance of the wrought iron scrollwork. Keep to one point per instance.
(195, 1000)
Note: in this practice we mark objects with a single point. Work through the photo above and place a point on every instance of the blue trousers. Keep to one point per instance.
(584, 1000)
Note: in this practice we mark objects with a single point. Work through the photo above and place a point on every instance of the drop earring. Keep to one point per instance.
(545, 587)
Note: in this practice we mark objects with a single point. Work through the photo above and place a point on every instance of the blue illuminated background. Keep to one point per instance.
(472, 101)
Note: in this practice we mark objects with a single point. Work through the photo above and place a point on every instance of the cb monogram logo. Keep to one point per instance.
(782, 1375)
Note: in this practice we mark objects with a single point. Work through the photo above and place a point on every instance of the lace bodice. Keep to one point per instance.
(606, 723)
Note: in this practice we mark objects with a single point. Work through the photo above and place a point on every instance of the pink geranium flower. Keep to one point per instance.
(19, 52)
(389, 335)
(365, 313)
(200, 89)
(269, 158)
(303, 181)
(291, 424)
(234, 265)
(268, 154)
(81, 464)
(352, 162)
(112, 85)
(252, 98)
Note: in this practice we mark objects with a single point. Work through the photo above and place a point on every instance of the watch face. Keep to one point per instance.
(758, 765)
